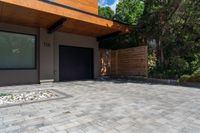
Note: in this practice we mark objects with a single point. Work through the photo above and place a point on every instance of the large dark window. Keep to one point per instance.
(17, 51)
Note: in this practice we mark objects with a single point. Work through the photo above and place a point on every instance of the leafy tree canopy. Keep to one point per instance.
(106, 12)
(129, 11)
(175, 27)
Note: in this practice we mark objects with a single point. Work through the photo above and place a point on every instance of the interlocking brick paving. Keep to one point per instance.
(105, 107)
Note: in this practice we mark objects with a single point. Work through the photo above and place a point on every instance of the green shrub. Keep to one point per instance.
(195, 63)
(196, 73)
(195, 77)
(4, 94)
(152, 61)
(184, 78)
(179, 65)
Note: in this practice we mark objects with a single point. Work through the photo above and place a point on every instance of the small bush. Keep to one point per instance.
(184, 78)
(196, 73)
(4, 94)
(152, 61)
(195, 77)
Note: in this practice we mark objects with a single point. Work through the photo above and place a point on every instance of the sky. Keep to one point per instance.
(110, 3)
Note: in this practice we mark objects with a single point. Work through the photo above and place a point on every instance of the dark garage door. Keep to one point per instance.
(75, 63)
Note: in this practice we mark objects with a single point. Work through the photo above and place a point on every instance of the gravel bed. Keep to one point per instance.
(9, 98)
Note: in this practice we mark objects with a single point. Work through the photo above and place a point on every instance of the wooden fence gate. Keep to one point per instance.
(124, 62)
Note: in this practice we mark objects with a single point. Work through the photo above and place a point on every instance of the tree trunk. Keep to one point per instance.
(158, 50)
(161, 54)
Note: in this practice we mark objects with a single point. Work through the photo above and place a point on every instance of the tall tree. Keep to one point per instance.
(106, 12)
(173, 24)
(129, 11)
(175, 27)
(154, 21)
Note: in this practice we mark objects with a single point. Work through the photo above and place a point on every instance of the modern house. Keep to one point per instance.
(51, 40)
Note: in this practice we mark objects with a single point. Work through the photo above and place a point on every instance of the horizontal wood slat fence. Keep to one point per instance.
(124, 62)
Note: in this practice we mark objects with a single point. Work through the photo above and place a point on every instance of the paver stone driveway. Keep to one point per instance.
(105, 107)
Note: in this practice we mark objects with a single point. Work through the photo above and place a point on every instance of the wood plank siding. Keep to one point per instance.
(85, 5)
(36, 13)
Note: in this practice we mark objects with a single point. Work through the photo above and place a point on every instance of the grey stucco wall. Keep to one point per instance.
(47, 55)
(10, 77)
(77, 41)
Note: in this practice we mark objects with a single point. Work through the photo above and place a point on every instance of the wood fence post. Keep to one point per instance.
(116, 60)
(146, 56)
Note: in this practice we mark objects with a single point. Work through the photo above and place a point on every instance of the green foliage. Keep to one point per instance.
(196, 73)
(195, 77)
(175, 27)
(4, 94)
(184, 78)
(195, 62)
(129, 11)
(160, 71)
(178, 64)
(152, 61)
(106, 12)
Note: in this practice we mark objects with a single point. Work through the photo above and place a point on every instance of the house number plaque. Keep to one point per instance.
(47, 44)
